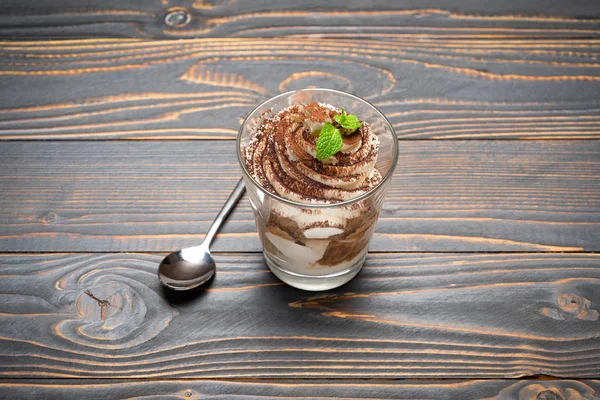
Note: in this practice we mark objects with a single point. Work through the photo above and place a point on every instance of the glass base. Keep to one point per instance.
(315, 282)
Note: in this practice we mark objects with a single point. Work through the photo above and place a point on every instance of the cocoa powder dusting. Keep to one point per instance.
(279, 143)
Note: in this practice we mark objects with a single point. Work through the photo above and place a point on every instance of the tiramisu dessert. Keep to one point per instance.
(315, 154)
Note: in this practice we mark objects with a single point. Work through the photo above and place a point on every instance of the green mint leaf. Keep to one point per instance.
(340, 117)
(347, 121)
(351, 122)
(329, 142)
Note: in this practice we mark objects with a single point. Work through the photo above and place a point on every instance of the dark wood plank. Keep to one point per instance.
(432, 87)
(214, 18)
(404, 316)
(162, 196)
(317, 390)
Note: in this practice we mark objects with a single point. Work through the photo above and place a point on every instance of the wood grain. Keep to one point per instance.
(99, 325)
(219, 18)
(317, 390)
(405, 315)
(162, 196)
(431, 87)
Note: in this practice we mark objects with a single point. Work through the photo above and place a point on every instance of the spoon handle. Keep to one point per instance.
(229, 204)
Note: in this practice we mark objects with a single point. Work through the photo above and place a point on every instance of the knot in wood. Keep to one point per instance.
(570, 303)
(548, 395)
(99, 303)
(178, 18)
(49, 218)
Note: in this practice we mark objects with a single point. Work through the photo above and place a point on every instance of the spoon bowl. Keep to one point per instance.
(187, 269)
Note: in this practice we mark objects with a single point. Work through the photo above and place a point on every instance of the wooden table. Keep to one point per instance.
(117, 130)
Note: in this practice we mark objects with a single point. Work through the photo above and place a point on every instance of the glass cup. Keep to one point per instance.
(326, 259)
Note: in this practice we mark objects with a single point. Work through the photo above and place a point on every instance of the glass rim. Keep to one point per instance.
(354, 200)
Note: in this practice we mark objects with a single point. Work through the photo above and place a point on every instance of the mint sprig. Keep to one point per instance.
(329, 142)
(347, 121)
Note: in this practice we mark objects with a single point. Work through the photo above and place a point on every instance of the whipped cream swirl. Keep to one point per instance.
(281, 156)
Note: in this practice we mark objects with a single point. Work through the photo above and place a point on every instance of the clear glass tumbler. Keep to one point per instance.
(318, 262)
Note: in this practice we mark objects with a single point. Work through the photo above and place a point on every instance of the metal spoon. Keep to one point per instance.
(193, 266)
